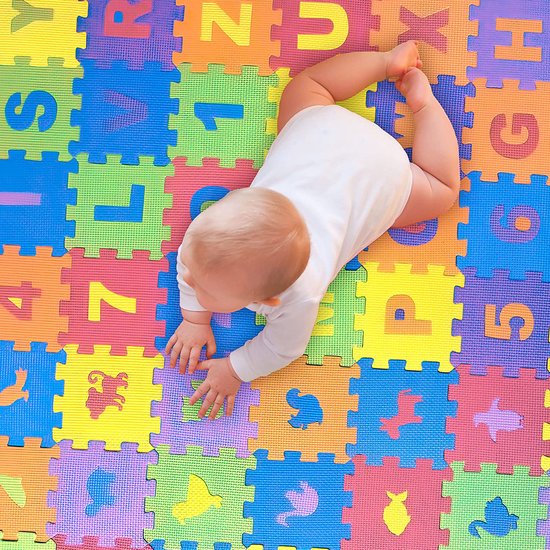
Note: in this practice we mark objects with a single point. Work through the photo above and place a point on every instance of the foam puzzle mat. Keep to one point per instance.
(417, 416)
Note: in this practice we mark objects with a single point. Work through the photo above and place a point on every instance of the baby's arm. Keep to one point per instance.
(283, 339)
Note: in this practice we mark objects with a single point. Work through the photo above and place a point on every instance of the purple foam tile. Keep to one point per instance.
(226, 431)
(101, 493)
(488, 37)
(137, 32)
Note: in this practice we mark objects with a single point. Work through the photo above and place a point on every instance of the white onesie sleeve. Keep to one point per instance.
(283, 339)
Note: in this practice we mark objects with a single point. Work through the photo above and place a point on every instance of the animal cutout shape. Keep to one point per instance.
(11, 394)
(98, 485)
(406, 402)
(309, 409)
(396, 516)
(199, 500)
(14, 489)
(498, 521)
(304, 503)
(98, 401)
(499, 420)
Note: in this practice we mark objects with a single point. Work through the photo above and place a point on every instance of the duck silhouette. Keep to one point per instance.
(498, 521)
(199, 500)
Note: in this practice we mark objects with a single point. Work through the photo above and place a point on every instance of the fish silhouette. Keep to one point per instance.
(396, 516)
(304, 503)
(498, 521)
(199, 500)
(499, 420)
(14, 489)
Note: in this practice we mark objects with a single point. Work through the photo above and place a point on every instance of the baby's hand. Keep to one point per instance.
(220, 383)
(187, 343)
(401, 59)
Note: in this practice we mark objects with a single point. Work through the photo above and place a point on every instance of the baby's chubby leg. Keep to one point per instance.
(435, 147)
(345, 75)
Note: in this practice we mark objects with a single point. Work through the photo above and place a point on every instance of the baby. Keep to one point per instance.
(332, 183)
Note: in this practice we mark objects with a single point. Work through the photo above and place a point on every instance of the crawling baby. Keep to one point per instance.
(332, 183)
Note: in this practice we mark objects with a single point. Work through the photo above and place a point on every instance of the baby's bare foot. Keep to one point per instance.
(402, 58)
(414, 85)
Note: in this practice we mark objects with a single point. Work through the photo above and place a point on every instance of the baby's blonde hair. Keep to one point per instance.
(257, 228)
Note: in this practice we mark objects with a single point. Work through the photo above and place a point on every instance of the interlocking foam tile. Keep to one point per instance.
(335, 331)
(25, 481)
(292, 405)
(489, 509)
(403, 317)
(505, 323)
(180, 425)
(313, 488)
(33, 291)
(402, 414)
(119, 206)
(205, 123)
(29, 412)
(510, 42)
(310, 32)
(398, 501)
(98, 387)
(502, 215)
(117, 31)
(418, 415)
(199, 498)
(507, 134)
(39, 108)
(229, 34)
(31, 192)
(97, 486)
(499, 420)
(124, 112)
(37, 30)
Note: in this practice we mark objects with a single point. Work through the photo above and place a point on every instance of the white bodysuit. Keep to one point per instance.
(350, 180)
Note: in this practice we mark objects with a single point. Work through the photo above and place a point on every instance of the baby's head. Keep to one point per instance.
(248, 247)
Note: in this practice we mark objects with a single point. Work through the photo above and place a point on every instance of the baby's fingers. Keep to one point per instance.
(175, 351)
(194, 359)
(184, 358)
